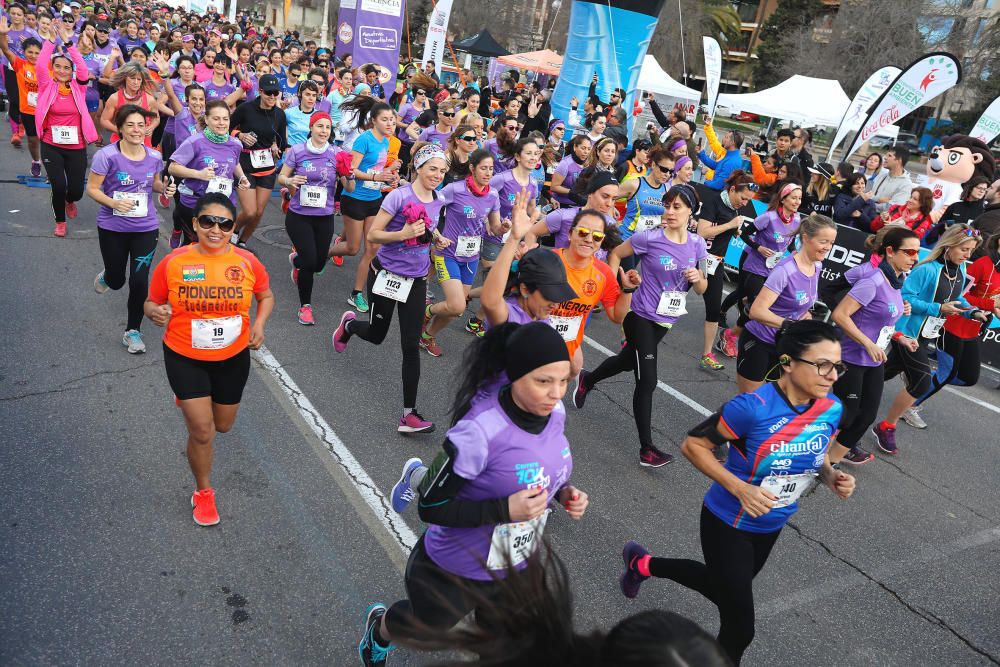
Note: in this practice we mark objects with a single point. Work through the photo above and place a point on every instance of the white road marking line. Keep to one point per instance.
(663, 386)
(988, 406)
(365, 485)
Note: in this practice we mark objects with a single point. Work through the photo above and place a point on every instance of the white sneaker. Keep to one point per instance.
(133, 341)
(99, 285)
(912, 417)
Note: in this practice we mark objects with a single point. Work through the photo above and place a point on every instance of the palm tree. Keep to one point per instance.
(720, 18)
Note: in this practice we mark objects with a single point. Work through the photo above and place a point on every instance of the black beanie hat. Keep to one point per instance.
(532, 346)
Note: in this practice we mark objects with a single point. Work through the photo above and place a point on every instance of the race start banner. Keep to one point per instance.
(377, 28)
(437, 33)
(713, 72)
(345, 27)
(862, 102)
(987, 127)
(917, 85)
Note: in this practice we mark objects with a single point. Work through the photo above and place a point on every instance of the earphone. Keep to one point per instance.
(784, 360)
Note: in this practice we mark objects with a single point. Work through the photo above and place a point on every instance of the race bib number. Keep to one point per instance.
(65, 134)
(567, 327)
(261, 159)
(141, 208)
(468, 246)
(712, 264)
(221, 185)
(513, 543)
(647, 222)
(773, 260)
(788, 488)
(672, 304)
(216, 334)
(313, 196)
(885, 337)
(392, 286)
(932, 327)
(32, 98)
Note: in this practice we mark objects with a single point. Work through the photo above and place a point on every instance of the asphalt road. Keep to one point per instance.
(101, 563)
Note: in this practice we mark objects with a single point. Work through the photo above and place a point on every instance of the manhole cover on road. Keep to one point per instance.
(273, 235)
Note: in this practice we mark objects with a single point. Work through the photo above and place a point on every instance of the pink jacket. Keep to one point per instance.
(48, 88)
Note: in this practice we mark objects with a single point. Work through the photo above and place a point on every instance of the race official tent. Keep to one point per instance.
(653, 79)
(800, 99)
(544, 62)
(481, 44)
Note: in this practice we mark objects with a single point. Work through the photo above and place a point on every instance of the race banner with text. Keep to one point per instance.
(855, 112)
(377, 28)
(988, 126)
(917, 85)
(437, 33)
(345, 26)
(713, 71)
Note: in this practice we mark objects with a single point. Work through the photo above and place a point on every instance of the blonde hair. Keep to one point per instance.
(132, 68)
(953, 237)
(822, 190)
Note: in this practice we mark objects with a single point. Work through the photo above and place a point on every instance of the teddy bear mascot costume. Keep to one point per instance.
(951, 165)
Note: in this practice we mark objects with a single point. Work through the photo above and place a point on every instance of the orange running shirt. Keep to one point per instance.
(27, 85)
(210, 298)
(594, 284)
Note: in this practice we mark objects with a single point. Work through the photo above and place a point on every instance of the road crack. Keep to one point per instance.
(68, 384)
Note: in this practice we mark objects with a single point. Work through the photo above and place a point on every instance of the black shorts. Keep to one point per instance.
(359, 209)
(28, 120)
(222, 380)
(266, 182)
(755, 357)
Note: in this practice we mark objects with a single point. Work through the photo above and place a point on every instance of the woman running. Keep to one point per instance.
(438, 133)
(720, 219)
(310, 176)
(208, 162)
(787, 295)
(569, 168)
(602, 159)
(298, 117)
(220, 85)
(371, 168)
(406, 115)
(935, 290)
(484, 520)
(14, 33)
(202, 294)
(260, 125)
(660, 300)
(403, 230)
(471, 210)
(771, 233)
(132, 85)
(867, 315)
(123, 178)
(779, 436)
(85, 45)
(26, 86)
(64, 127)
(461, 144)
(643, 195)
(601, 194)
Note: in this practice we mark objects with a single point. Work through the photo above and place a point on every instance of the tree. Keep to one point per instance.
(418, 14)
(788, 27)
(709, 17)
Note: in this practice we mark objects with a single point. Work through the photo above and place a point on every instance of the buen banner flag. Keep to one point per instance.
(713, 72)
(987, 127)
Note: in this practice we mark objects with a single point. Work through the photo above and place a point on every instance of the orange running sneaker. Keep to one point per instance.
(203, 504)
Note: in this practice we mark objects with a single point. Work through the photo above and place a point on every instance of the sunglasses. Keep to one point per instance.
(269, 92)
(448, 114)
(665, 170)
(468, 137)
(824, 368)
(971, 233)
(208, 221)
(583, 233)
(419, 92)
(909, 252)
(752, 187)
(511, 128)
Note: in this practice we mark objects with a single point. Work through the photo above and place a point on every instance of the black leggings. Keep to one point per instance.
(13, 94)
(311, 236)
(67, 172)
(117, 248)
(639, 356)
(713, 295)
(915, 367)
(957, 363)
(860, 390)
(750, 285)
(733, 558)
(411, 322)
(183, 217)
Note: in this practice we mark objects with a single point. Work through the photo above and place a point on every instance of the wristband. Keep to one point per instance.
(629, 290)
(898, 335)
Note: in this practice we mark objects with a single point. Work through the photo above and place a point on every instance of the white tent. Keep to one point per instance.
(800, 99)
(653, 79)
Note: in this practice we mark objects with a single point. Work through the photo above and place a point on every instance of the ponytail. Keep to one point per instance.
(484, 360)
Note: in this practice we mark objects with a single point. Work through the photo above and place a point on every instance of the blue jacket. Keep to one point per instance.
(730, 162)
(919, 289)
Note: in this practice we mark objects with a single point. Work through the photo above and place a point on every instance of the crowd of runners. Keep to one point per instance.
(474, 207)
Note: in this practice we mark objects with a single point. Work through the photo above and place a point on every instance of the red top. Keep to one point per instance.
(63, 112)
(898, 213)
(986, 275)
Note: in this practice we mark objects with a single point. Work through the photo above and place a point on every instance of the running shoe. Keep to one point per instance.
(15, 140)
(358, 302)
(414, 423)
(710, 363)
(36, 168)
(175, 239)
(203, 508)
(913, 418)
(729, 343)
(338, 260)
(428, 343)
(71, 210)
(164, 200)
(654, 458)
(581, 391)
(60, 230)
(402, 492)
(133, 341)
(306, 315)
(475, 327)
(99, 285)
(885, 439)
(631, 579)
(340, 337)
(858, 456)
(286, 199)
(372, 653)
(295, 271)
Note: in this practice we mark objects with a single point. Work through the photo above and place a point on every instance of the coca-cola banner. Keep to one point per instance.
(862, 102)
(914, 87)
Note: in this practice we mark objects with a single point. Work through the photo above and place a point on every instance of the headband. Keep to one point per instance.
(680, 162)
(428, 152)
(685, 192)
(787, 190)
(319, 115)
(677, 144)
(554, 123)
